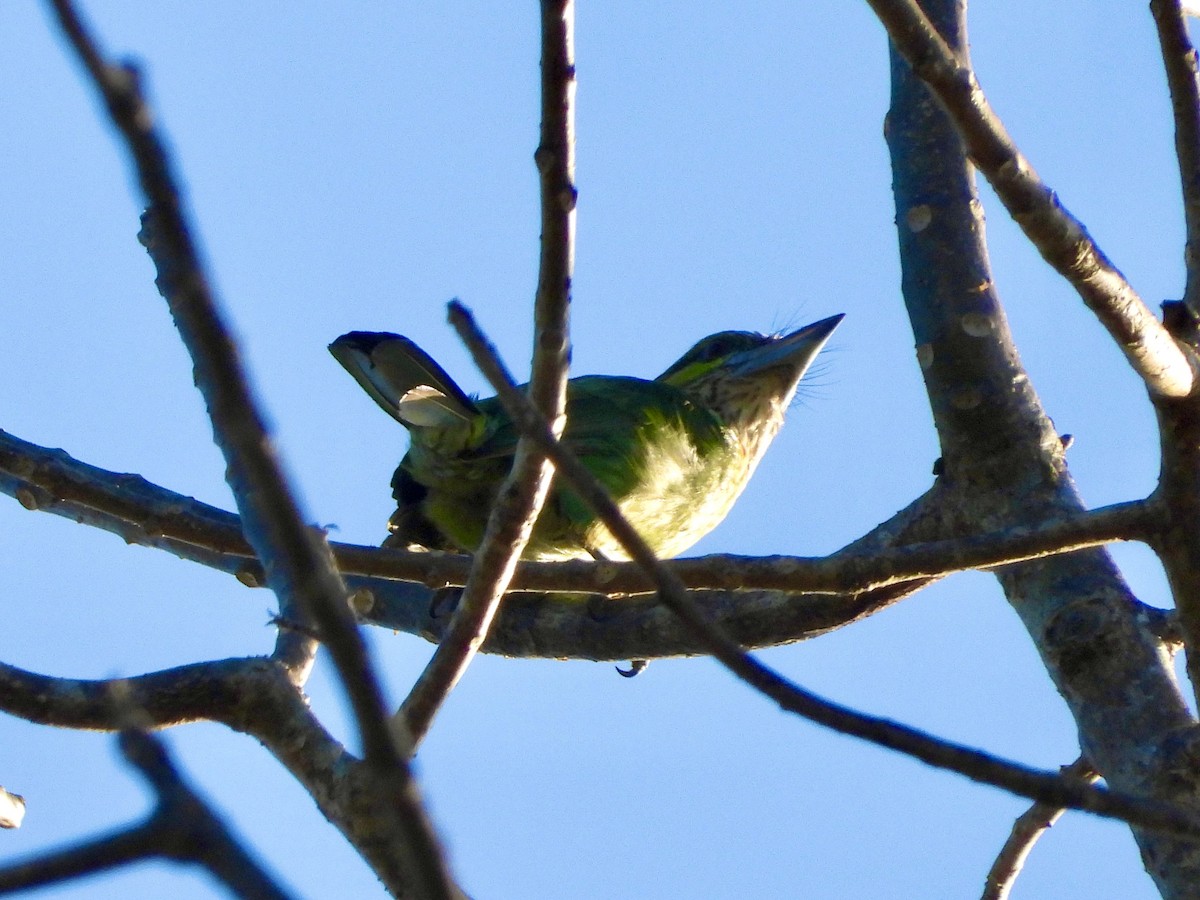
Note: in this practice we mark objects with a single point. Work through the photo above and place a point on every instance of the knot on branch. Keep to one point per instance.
(1082, 636)
(1179, 763)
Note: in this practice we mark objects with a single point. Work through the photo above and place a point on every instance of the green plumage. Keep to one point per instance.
(674, 452)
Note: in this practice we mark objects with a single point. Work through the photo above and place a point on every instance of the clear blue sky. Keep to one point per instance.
(356, 166)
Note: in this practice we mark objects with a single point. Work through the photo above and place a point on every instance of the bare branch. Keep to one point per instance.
(144, 513)
(555, 159)
(270, 514)
(520, 498)
(254, 696)
(1004, 462)
(93, 857)
(531, 625)
(845, 571)
(1059, 236)
(1179, 421)
(299, 565)
(1183, 80)
(182, 827)
(599, 628)
(1028, 827)
(978, 766)
(187, 829)
(1177, 541)
(128, 506)
(169, 697)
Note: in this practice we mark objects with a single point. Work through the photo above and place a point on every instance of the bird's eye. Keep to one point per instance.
(723, 345)
(717, 349)
(712, 349)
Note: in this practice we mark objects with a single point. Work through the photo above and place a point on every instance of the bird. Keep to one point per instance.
(674, 452)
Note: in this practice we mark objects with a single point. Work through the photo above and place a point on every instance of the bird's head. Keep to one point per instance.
(748, 379)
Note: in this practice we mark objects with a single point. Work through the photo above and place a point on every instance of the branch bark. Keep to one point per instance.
(1176, 540)
(1002, 458)
(763, 601)
(1026, 831)
(1183, 81)
(1061, 238)
(525, 489)
(297, 561)
(182, 827)
(254, 696)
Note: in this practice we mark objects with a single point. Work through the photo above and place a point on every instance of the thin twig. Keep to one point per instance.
(510, 522)
(90, 858)
(974, 764)
(1183, 80)
(1059, 236)
(299, 566)
(182, 827)
(1026, 831)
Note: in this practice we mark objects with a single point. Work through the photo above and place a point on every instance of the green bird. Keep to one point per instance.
(675, 452)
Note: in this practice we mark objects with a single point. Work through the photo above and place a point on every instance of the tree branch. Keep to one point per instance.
(1176, 541)
(270, 514)
(1061, 238)
(520, 498)
(144, 513)
(765, 601)
(1004, 462)
(1183, 80)
(298, 563)
(846, 571)
(182, 827)
(974, 764)
(1028, 827)
(528, 625)
(254, 696)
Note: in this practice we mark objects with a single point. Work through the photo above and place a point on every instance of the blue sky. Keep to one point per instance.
(355, 167)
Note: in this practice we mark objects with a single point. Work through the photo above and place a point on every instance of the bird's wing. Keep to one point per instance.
(610, 421)
(403, 379)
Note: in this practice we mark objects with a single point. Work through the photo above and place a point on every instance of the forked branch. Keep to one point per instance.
(182, 827)
(1059, 236)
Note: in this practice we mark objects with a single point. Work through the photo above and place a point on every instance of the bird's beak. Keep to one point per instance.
(794, 352)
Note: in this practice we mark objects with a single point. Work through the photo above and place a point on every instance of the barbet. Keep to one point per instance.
(675, 452)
